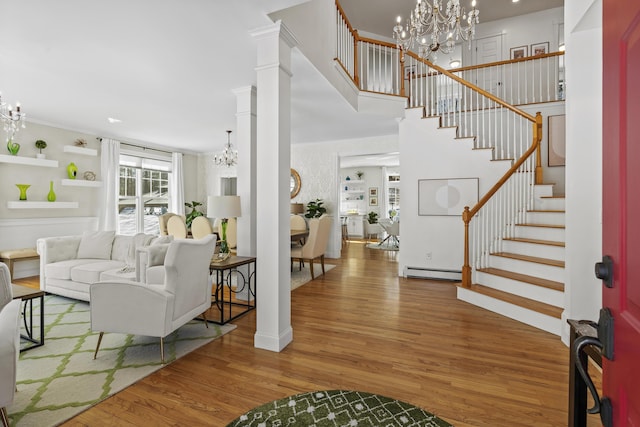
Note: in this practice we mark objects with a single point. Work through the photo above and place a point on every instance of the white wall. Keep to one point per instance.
(583, 38)
(523, 30)
(429, 152)
(39, 177)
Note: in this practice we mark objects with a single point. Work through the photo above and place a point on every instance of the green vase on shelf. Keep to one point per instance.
(23, 190)
(13, 147)
(52, 195)
(72, 170)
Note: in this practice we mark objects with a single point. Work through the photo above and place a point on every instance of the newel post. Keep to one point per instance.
(356, 74)
(401, 73)
(466, 268)
(537, 137)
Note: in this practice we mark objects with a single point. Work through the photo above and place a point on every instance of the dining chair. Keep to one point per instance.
(316, 244)
(201, 227)
(176, 227)
(299, 224)
(393, 232)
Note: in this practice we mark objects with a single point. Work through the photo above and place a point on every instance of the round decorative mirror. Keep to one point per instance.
(295, 183)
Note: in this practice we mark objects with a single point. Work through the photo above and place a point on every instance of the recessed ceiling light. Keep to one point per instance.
(515, 1)
(112, 120)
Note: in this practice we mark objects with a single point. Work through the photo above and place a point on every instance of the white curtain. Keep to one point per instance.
(176, 203)
(110, 170)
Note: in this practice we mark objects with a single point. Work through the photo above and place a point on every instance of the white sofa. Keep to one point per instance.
(70, 264)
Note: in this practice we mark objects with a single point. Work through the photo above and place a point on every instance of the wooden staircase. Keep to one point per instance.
(525, 280)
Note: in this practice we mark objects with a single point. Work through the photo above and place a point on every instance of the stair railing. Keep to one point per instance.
(495, 216)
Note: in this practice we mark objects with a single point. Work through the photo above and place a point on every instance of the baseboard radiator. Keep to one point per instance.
(432, 273)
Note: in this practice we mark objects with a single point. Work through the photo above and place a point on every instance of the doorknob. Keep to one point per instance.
(602, 406)
(604, 271)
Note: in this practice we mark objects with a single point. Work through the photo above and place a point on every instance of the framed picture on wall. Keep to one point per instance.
(446, 197)
(539, 48)
(556, 138)
(519, 52)
(373, 201)
(373, 191)
(409, 72)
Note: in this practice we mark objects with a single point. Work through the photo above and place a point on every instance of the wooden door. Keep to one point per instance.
(621, 202)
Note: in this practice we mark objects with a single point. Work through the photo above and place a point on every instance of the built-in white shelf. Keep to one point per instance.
(353, 181)
(28, 161)
(81, 183)
(80, 150)
(26, 204)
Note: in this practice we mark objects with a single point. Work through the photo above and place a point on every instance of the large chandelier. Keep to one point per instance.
(434, 31)
(229, 156)
(12, 120)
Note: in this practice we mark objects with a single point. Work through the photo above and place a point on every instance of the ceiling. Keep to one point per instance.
(167, 68)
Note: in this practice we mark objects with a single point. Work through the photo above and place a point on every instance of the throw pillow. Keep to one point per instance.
(96, 244)
(159, 240)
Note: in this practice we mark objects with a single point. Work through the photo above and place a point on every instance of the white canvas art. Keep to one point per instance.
(446, 196)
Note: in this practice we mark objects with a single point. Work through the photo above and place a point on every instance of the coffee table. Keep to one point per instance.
(27, 295)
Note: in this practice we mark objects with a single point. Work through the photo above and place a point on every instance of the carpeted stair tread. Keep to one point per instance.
(540, 225)
(537, 260)
(535, 241)
(545, 283)
(537, 306)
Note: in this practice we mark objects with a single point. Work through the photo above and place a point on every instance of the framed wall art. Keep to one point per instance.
(539, 48)
(556, 138)
(373, 191)
(373, 201)
(519, 52)
(446, 197)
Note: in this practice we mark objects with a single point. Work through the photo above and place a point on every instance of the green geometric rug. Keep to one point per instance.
(60, 379)
(337, 408)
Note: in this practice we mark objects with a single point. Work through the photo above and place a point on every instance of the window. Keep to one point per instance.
(144, 193)
(393, 194)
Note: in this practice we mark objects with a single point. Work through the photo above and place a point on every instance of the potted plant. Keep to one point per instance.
(359, 174)
(41, 145)
(372, 217)
(194, 212)
(315, 209)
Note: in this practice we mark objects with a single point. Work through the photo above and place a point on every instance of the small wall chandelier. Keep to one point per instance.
(434, 31)
(12, 120)
(229, 156)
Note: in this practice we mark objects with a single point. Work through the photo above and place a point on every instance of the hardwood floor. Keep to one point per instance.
(361, 327)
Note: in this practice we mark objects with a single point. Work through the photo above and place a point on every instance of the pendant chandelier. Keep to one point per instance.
(12, 120)
(229, 156)
(433, 29)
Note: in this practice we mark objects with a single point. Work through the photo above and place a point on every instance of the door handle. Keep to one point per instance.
(604, 271)
(579, 345)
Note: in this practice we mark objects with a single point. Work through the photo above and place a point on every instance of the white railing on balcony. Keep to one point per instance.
(345, 42)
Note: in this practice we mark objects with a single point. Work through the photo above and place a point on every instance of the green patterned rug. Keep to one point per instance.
(337, 408)
(60, 379)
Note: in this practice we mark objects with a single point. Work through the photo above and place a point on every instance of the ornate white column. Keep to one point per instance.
(273, 328)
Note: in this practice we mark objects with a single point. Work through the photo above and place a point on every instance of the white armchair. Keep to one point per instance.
(9, 342)
(157, 310)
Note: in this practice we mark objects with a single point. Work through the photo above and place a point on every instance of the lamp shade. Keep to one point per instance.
(223, 206)
(297, 208)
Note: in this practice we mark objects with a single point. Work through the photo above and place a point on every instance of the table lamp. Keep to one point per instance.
(223, 207)
(297, 208)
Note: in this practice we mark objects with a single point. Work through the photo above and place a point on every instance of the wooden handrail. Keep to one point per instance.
(344, 16)
(468, 214)
(505, 62)
(473, 87)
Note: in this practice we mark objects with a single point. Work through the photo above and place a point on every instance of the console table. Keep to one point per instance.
(241, 272)
(28, 295)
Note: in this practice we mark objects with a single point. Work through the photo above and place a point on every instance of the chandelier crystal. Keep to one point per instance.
(12, 120)
(229, 156)
(433, 29)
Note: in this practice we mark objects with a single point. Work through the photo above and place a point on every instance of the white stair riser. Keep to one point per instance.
(553, 218)
(553, 204)
(533, 249)
(540, 233)
(529, 317)
(543, 190)
(523, 289)
(543, 271)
